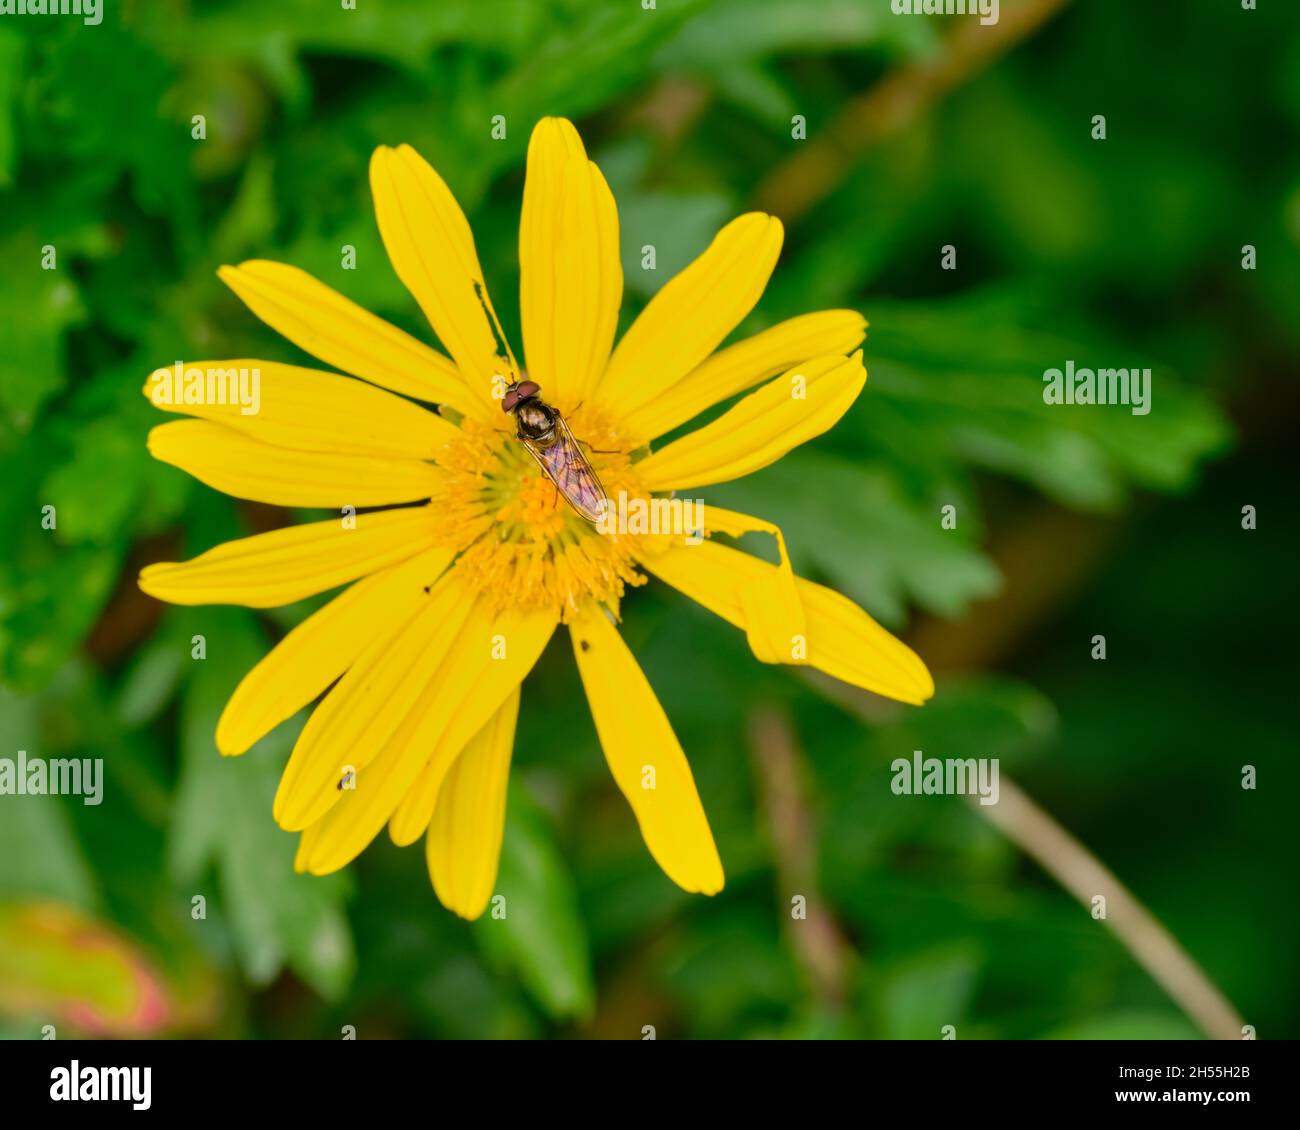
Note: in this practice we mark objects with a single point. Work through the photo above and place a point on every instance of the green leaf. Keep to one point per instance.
(40, 849)
(150, 681)
(50, 597)
(926, 992)
(40, 853)
(37, 306)
(403, 32)
(743, 29)
(1000, 717)
(678, 225)
(1128, 1026)
(11, 58)
(852, 524)
(96, 491)
(223, 816)
(962, 382)
(541, 936)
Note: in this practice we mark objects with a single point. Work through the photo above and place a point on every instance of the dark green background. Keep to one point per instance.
(1072, 521)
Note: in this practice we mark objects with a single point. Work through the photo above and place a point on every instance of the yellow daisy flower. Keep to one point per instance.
(461, 558)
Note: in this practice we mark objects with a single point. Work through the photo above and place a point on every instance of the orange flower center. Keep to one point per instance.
(519, 541)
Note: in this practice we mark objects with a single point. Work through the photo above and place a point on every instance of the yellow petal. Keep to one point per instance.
(463, 847)
(507, 635)
(571, 279)
(268, 570)
(744, 365)
(323, 647)
(769, 599)
(304, 409)
(342, 334)
(432, 250)
(849, 645)
(695, 310)
(761, 428)
(460, 696)
(232, 462)
(842, 640)
(644, 755)
(351, 726)
(305, 842)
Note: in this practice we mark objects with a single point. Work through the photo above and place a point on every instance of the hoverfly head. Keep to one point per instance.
(517, 393)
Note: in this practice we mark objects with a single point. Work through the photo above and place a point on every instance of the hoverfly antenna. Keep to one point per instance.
(498, 335)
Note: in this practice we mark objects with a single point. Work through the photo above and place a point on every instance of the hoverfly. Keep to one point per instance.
(542, 430)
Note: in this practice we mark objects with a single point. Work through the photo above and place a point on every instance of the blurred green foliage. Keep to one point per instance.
(1126, 251)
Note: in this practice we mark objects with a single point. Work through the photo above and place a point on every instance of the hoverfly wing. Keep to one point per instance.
(568, 469)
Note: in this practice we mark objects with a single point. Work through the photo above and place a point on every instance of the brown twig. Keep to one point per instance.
(1084, 876)
(820, 948)
(789, 191)
(892, 104)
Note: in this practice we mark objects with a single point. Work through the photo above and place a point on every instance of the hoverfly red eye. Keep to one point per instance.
(527, 389)
(510, 399)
